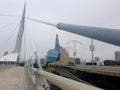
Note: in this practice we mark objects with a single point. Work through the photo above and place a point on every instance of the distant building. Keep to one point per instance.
(97, 59)
(43, 60)
(64, 57)
(117, 56)
(54, 54)
(77, 61)
(6, 52)
(58, 55)
(83, 62)
(57, 45)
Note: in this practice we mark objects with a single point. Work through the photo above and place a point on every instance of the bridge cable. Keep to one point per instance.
(46, 85)
(31, 43)
(6, 15)
(6, 26)
(10, 37)
(48, 23)
(32, 46)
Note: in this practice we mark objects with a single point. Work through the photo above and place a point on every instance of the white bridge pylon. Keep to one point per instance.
(14, 56)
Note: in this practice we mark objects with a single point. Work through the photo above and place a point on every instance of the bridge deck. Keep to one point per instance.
(12, 79)
(106, 70)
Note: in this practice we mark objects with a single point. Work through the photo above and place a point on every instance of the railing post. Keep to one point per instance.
(31, 71)
(43, 80)
(46, 85)
(38, 81)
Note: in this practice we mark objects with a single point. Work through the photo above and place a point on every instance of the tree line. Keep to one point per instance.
(111, 63)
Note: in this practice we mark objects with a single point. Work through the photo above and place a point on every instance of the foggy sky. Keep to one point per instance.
(98, 13)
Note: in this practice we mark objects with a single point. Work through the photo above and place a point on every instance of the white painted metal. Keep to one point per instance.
(103, 34)
(42, 78)
(65, 83)
(20, 33)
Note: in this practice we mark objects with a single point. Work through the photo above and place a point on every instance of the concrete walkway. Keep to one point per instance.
(12, 79)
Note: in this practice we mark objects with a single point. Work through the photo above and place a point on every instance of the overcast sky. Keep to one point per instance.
(98, 13)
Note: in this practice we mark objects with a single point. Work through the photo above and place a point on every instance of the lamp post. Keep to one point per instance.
(92, 49)
(68, 49)
(74, 42)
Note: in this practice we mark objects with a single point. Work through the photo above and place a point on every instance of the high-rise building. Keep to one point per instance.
(117, 56)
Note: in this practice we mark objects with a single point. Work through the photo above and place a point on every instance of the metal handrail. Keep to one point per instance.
(64, 83)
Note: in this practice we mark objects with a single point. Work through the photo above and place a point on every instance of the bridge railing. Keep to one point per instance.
(61, 82)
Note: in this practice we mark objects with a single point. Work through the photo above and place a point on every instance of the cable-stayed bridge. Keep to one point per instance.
(29, 78)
